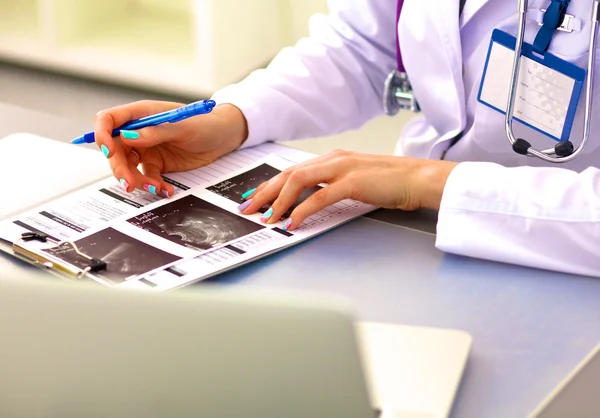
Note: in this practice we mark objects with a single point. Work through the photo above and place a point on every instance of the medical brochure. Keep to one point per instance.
(157, 243)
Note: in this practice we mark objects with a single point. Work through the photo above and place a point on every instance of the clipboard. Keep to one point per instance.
(53, 264)
(80, 167)
(102, 233)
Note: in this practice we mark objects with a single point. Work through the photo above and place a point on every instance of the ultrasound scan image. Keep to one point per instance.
(195, 223)
(235, 187)
(125, 256)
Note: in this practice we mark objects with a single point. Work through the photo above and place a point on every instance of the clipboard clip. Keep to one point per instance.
(94, 264)
(34, 236)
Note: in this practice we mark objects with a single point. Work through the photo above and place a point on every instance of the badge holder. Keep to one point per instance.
(547, 92)
(20, 249)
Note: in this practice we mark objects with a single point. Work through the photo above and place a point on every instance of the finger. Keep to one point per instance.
(282, 177)
(267, 192)
(129, 173)
(107, 120)
(133, 158)
(153, 172)
(122, 168)
(132, 178)
(297, 183)
(151, 136)
(251, 193)
(318, 201)
(152, 168)
(264, 194)
(285, 192)
(167, 190)
(151, 180)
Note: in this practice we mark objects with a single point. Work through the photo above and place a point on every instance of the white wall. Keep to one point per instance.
(167, 44)
(299, 13)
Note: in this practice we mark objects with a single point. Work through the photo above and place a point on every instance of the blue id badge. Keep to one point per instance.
(548, 87)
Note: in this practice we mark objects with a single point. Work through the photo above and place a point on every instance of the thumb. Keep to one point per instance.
(146, 137)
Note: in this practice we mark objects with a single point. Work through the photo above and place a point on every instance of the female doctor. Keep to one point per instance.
(493, 203)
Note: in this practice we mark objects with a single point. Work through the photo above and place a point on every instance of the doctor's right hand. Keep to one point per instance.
(379, 180)
(169, 147)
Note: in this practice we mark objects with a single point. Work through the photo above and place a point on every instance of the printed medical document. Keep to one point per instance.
(157, 243)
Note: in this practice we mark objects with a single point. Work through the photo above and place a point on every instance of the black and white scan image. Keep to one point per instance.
(195, 223)
(235, 187)
(125, 256)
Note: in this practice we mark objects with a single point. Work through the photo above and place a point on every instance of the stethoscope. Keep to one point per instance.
(398, 93)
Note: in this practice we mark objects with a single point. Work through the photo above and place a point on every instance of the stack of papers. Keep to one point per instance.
(41, 169)
(156, 243)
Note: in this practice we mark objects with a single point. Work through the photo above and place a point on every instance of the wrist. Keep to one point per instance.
(232, 123)
(431, 181)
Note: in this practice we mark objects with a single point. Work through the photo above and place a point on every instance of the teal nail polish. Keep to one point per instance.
(124, 184)
(287, 224)
(105, 150)
(130, 134)
(150, 188)
(267, 215)
(248, 193)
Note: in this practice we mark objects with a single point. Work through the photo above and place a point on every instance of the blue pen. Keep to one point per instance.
(171, 116)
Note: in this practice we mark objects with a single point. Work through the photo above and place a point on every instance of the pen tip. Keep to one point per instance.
(84, 139)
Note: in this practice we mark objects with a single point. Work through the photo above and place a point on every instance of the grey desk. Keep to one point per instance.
(529, 327)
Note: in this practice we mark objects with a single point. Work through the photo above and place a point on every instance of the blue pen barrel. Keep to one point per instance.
(193, 109)
(170, 116)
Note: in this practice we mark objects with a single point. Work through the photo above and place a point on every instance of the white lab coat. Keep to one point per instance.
(333, 81)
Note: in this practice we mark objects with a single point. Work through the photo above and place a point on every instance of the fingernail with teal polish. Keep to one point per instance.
(287, 224)
(248, 193)
(130, 134)
(105, 150)
(124, 184)
(244, 205)
(150, 188)
(267, 215)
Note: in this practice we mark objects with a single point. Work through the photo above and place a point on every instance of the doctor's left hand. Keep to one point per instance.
(165, 148)
(383, 181)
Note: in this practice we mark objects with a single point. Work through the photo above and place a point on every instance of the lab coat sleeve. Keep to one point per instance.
(547, 218)
(330, 82)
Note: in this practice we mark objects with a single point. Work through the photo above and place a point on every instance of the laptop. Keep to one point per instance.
(71, 350)
(576, 396)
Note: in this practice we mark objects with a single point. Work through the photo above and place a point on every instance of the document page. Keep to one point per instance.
(159, 243)
(41, 169)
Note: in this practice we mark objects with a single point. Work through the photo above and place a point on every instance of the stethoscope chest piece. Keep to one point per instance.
(398, 94)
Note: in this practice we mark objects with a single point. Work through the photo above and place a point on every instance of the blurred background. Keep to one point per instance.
(72, 58)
